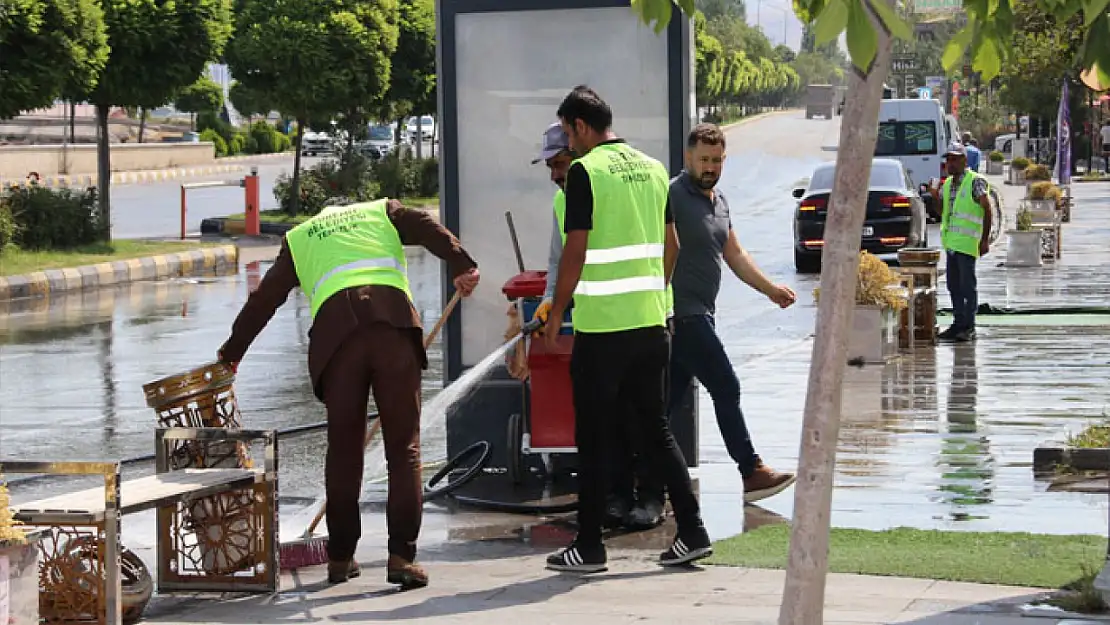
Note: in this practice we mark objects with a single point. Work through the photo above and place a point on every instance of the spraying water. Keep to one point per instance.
(434, 414)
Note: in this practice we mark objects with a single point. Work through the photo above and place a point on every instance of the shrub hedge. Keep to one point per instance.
(357, 179)
(37, 218)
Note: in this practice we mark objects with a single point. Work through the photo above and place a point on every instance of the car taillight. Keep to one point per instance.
(812, 204)
(900, 203)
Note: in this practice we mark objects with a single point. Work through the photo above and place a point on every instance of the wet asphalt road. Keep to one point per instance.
(941, 439)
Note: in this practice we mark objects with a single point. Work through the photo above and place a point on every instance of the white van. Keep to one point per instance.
(917, 133)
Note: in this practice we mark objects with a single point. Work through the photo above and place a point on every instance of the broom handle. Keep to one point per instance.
(377, 424)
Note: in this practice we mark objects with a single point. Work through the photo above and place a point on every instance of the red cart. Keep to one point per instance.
(545, 425)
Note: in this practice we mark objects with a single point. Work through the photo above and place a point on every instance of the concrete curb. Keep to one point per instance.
(252, 157)
(127, 177)
(44, 283)
(758, 116)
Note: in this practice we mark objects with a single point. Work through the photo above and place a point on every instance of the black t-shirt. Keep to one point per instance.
(580, 198)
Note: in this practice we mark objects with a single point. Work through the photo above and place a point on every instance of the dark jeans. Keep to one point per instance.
(619, 380)
(697, 352)
(963, 289)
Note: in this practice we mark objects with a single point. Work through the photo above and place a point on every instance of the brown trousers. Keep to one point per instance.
(382, 358)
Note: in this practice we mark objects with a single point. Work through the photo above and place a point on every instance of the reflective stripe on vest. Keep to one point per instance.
(368, 263)
(962, 220)
(345, 247)
(623, 253)
(622, 286)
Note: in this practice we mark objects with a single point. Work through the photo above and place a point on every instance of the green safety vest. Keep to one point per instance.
(622, 285)
(347, 246)
(561, 213)
(961, 226)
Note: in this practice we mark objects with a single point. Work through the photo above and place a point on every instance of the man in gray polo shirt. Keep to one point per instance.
(705, 232)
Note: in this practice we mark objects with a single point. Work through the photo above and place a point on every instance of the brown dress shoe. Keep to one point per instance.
(339, 572)
(765, 482)
(405, 574)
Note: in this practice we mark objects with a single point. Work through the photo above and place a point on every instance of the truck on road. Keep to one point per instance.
(819, 101)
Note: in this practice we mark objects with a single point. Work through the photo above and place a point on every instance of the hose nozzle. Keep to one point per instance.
(529, 328)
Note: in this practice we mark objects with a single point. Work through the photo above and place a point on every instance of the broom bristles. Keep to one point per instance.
(304, 552)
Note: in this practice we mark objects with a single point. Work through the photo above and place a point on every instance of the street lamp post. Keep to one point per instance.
(785, 18)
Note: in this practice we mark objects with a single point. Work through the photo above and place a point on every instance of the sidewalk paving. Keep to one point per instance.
(634, 590)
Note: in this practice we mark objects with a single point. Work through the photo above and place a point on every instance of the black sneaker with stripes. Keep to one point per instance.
(579, 559)
(687, 550)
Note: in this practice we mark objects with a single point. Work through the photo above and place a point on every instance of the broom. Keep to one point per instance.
(310, 550)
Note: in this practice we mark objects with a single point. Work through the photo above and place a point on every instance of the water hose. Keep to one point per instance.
(989, 309)
(482, 449)
(509, 507)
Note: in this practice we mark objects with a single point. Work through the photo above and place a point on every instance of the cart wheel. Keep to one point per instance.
(514, 440)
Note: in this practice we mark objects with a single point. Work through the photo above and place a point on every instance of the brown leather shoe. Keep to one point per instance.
(405, 574)
(765, 482)
(339, 572)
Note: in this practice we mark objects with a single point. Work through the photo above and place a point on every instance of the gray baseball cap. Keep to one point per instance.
(956, 148)
(554, 142)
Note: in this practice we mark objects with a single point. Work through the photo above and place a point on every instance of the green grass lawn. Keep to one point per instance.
(14, 261)
(278, 216)
(1039, 560)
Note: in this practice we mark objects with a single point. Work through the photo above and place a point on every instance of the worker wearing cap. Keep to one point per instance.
(623, 508)
(350, 263)
(965, 229)
(973, 153)
(617, 258)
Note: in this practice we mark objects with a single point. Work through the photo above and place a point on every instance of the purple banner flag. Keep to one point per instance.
(1063, 138)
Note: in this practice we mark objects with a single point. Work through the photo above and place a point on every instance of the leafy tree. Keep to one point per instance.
(723, 8)
(203, 96)
(736, 34)
(412, 84)
(816, 69)
(869, 26)
(157, 48)
(783, 54)
(249, 102)
(47, 47)
(1049, 50)
(314, 59)
(709, 63)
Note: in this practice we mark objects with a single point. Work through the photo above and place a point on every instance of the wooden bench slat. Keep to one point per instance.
(142, 493)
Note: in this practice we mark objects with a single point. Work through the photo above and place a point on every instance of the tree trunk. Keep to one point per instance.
(399, 133)
(419, 139)
(72, 122)
(104, 171)
(142, 123)
(803, 598)
(295, 190)
(193, 121)
(352, 128)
